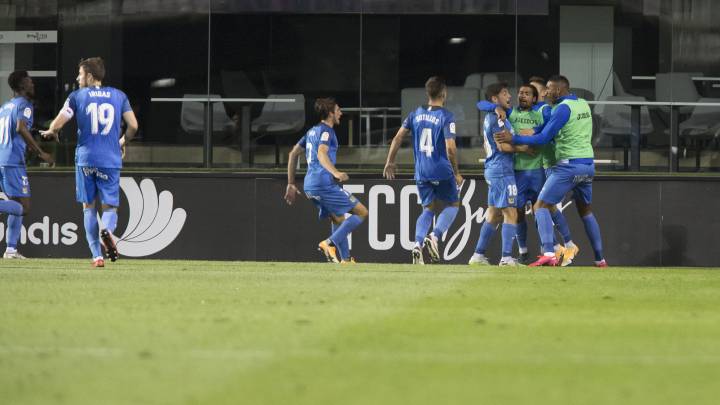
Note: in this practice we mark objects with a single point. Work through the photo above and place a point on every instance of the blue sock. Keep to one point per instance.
(593, 232)
(14, 224)
(109, 219)
(343, 246)
(508, 233)
(556, 241)
(562, 226)
(92, 231)
(521, 235)
(486, 232)
(545, 229)
(342, 231)
(445, 219)
(11, 207)
(422, 226)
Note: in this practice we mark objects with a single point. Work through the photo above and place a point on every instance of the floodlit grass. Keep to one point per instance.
(176, 332)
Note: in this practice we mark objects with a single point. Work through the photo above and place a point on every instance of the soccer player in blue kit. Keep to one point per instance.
(500, 177)
(16, 119)
(99, 111)
(437, 174)
(320, 146)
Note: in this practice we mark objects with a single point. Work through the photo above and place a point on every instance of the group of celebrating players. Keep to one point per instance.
(536, 153)
(99, 112)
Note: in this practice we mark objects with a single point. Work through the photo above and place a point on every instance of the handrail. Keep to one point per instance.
(220, 99)
(654, 103)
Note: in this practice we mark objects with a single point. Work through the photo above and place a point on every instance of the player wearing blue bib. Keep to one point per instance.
(99, 111)
(16, 119)
(437, 174)
(571, 127)
(321, 182)
(500, 177)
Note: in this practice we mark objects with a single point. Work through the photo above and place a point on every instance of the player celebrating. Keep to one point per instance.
(320, 145)
(571, 127)
(99, 111)
(16, 119)
(500, 177)
(437, 174)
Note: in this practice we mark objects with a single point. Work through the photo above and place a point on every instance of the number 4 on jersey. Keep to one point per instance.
(426, 142)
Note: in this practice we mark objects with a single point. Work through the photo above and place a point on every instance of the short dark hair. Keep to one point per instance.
(434, 87)
(560, 79)
(16, 78)
(494, 89)
(533, 89)
(95, 66)
(537, 79)
(325, 106)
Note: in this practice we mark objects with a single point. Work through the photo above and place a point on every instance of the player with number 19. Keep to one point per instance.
(437, 174)
(99, 111)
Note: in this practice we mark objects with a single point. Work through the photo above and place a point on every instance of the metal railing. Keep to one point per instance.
(208, 117)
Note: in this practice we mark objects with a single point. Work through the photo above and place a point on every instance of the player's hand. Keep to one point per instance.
(459, 180)
(48, 134)
(290, 193)
(503, 136)
(341, 176)
(527, 132)
(500, 113)
(389, 171)
(46, 157)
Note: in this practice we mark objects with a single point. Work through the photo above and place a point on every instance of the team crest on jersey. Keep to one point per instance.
(325, 136)
(27, 112)
(452, 127)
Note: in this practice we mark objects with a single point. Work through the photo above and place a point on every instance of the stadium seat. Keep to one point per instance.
(277, 119)
(615, 122)
(678, 87)
(701, 127)
(192, 116)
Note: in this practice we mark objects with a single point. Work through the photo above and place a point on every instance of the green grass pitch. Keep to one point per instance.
(182, 332)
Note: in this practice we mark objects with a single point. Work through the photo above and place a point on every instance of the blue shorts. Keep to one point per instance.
(332, 200)
(502, 191)
(14, 181)
(91, 181)
(529, 183)
(564, 177)
(431, 190)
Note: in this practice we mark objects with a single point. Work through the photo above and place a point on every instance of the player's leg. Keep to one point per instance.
(337, 201)
(583, 201)
(446, 195)
(493, 217)
(343, 246)
(108, 186)
(524, 191)
(424, 221)
(555, 188)
(85, 193)
(568, 250)
(509, 226)
(16, 187)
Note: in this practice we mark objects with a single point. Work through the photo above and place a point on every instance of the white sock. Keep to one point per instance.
(550, 254)
(10, 250)
(98, 258)
(558, 246)
(522, 251)
(569, 244)
(478, 255)
(505, 258)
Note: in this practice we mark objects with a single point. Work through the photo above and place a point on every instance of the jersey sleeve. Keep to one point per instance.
(126, 104)
(560, 116)
(450, 129)
(407, 122)
(302, 141)
(326, 137)
(68, 109)
(25, 113)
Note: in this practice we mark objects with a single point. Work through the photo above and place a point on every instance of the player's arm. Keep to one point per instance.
(487, 106)
(291, 190)
(451, 148)
(390, 166)
(131, 127)
(56, 125)
(328, 165)
(559, 118)
(30, 141)
(510, 148)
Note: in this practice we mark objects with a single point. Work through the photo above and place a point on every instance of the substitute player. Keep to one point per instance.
(99, 111)
(437, 174)
(320, 146)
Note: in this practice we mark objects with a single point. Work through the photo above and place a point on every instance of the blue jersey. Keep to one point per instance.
(497, 163)
(12, 144)
(317, 177)
(98, 111)
(430, 127)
